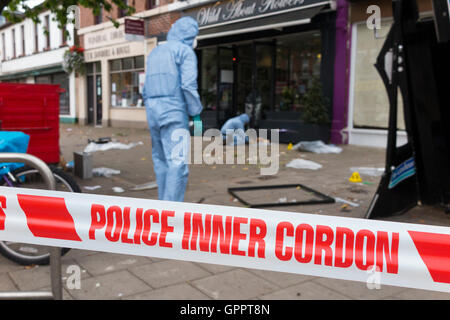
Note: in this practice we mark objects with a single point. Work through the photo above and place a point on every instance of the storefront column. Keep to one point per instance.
(106, 93)
(72, 90)
(81, 99)
(340, 105)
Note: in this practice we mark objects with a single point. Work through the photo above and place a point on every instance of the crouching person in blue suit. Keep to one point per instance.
(234, 128)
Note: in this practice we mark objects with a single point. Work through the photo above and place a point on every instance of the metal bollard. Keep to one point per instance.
(55, 253)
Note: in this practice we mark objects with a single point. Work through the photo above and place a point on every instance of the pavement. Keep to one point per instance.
(106, 276)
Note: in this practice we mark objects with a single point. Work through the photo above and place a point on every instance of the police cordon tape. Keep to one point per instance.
(401, 254)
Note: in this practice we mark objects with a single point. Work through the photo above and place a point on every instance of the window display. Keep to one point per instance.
(370, 100)
(298, 59)
(126, 82)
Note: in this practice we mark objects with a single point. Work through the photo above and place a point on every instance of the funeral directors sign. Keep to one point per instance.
(224, 12)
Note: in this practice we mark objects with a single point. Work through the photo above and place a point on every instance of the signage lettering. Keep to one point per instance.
(235, 10)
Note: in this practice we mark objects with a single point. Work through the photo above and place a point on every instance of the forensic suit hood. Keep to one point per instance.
(171, 96)
(184, 30)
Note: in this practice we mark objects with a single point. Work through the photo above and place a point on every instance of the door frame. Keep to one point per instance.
(95, 76)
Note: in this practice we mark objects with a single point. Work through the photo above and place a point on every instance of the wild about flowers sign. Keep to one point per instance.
(239, 10)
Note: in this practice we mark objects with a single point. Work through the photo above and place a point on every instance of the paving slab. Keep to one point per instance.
(305, 291)
(165, 273)
(176, 292)
(235, 284)
(111, 286)
(102, 263)
(359, 290)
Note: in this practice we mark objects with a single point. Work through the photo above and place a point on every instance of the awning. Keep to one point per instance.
(259, 24)
(32, 73)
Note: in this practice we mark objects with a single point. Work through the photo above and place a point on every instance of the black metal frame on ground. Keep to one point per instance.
(324, 199)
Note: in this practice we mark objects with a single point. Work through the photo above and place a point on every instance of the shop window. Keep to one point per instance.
(47, 79)
(150, 4)
(370, 100)
(62, 80)
(298, 59)
(64, 98)
(127, 82)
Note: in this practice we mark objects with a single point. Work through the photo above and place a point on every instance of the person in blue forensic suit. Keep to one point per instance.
(236, 127)
(171, 97)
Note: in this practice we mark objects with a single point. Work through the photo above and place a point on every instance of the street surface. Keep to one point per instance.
(112, 276)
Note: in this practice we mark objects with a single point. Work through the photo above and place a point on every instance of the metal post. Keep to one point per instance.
(55, 253)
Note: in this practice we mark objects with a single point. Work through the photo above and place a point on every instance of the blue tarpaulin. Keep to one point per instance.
(15, 142)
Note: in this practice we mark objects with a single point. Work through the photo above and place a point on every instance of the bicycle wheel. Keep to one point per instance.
(30, 254)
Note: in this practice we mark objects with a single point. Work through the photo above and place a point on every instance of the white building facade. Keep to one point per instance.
(31, 55)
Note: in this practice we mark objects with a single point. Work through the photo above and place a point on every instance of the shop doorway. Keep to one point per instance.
(254, 86)
(94, 94)
(244, 76)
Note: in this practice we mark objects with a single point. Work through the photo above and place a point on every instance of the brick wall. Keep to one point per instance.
(87, 17)
(358, 9)
(161, 24)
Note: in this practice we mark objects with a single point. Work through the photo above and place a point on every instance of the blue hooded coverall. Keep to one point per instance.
(171, 96)
(233, 124)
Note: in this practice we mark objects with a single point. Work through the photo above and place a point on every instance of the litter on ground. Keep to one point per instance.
(93, 147)
(368, 171)
(118, 189)
(104, 172)
(303, 164)
(92, 188)
(347, 202)
(145, 186)
(316, 147)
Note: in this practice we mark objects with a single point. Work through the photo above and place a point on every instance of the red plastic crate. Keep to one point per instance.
(33, 109)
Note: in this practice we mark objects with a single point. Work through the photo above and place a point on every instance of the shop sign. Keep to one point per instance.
(107, 53)
(234, 11)
(104, 38)
(115, 52)
(134, 30)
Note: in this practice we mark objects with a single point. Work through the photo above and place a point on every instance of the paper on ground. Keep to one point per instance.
(104, 172)
(374, 172)
(93, 147)
(145, 186)
(317, 147)
(303, 164)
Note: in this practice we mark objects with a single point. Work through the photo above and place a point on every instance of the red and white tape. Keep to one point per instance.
(406, 255)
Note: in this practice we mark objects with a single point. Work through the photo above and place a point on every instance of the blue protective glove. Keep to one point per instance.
(198, 126)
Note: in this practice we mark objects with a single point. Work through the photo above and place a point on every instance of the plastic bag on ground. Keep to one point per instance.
(93, 147)
(368, 171)
(316, 147)
(92, 188)
(104, 172)
(146, 186)
(303, 164)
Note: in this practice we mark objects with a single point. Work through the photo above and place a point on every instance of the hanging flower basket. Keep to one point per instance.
(74, 60)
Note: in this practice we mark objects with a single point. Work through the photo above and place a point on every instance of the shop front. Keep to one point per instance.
(368, 100)
(111, 91)
(266, 58)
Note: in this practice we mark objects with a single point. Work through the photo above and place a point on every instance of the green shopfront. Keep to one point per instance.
(266, 58)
